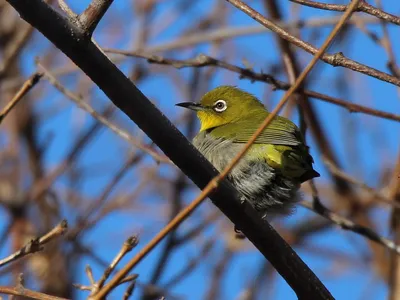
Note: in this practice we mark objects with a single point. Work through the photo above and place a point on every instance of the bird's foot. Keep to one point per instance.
(238, 233)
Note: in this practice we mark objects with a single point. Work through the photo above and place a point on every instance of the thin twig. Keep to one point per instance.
(340, 173)
(67, 10)
(84, 219)
(25, 88)
(15, 48)
(94, 286)
(191, 264)
(89, 274)
(92, 15)
(26, 293)
(85, 106)
(344, 223)
(129, 290)
(89, 288)
(225, 33)
(36, 245)
(363, 6)
(129, 244)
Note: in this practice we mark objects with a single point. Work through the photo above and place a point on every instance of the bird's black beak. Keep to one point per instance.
(190, 105)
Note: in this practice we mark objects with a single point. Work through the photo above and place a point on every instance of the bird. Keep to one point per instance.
(276, 164)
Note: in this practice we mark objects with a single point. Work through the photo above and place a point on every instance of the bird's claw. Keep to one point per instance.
(239, 234)
(237, 230)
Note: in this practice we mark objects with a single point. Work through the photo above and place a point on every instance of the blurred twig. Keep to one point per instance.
(22, 36)
(25, 88)
(378, 195)
(36, 245)
(344, 223)
(82, 104)
(94, 287)
(129, 244)
(26, 293)
(225, 33)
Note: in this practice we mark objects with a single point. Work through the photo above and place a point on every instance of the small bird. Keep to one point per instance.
(270, 173)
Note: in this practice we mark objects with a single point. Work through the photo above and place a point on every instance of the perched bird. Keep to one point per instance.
(270, 173)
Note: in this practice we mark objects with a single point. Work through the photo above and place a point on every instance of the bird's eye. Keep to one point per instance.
(220, 106)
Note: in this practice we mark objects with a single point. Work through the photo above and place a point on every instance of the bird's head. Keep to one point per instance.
(223, 105)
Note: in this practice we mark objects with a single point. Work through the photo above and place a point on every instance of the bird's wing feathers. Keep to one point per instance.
(289, 153)
(278, 132)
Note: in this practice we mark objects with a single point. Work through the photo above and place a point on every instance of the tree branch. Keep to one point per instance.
(346, 224)
(35, 245)
(363, 6)
(25, 88)
(25, 293)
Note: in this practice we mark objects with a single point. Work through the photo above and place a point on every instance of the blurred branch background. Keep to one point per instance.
(67, 153)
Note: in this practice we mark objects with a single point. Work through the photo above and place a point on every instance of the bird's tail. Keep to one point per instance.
(297, 164)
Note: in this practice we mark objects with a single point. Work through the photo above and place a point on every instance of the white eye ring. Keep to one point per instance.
(220, 106)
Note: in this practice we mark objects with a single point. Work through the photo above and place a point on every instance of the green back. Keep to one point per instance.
(280, 131)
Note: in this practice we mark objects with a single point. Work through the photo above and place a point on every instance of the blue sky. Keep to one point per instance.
(377, 147)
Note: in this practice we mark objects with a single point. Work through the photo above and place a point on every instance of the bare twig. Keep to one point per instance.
(93, 14)
(67, 10)
(94, 286)
(129, 244)
(25, 88)
(89, 274)
(388, 46)
(89, 288)
(231, 32)
(317, 206)
(15, 48)
(83, 220)
(378, 195)
(25, 293)
(85, 106)
(42, 185)
(129, 290)
(191, 264)
(36, 245)
(363, 6)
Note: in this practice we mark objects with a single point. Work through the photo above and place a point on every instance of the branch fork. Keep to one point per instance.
(88, 20)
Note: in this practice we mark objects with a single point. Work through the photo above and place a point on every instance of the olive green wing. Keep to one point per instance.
(288, 151)
(279, 132)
